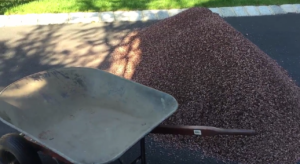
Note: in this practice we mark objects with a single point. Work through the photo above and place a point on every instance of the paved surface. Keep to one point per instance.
(26, 50)
(278, 36)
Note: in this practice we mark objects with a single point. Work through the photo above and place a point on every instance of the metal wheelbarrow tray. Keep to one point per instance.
(84, 115)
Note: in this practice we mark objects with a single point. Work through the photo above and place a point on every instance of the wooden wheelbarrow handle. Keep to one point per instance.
(200, 130)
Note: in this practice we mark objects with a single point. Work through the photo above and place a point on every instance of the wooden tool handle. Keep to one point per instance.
(200, 130)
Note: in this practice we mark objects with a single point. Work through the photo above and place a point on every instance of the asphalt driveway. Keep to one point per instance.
(27, 50)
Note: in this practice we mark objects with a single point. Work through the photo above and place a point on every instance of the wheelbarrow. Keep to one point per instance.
(85, 115)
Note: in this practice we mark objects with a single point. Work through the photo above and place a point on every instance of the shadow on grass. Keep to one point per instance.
(7, 4)
(57, 6)
(169, 4)
(87, 5)
(113, 5)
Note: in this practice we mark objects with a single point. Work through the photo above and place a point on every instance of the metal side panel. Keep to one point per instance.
(85, 115)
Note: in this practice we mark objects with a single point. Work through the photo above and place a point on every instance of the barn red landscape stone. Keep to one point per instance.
(220, 79)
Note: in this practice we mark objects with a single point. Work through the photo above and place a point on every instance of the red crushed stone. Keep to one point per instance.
(220, 79)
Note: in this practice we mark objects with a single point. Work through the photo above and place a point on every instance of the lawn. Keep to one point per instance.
(65, 6)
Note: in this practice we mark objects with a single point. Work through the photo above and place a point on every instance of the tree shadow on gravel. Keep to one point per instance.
(38, 48)
(28, 50)
(124, 61)
(134, 44)
(31, 49)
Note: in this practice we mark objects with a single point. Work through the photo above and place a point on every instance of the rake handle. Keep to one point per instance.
(200, 130)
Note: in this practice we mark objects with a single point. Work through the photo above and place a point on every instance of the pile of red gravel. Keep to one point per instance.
(220, 79)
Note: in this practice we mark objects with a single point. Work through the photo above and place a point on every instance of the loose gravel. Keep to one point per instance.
(220, 79)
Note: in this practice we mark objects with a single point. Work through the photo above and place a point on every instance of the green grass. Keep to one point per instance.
(59, 6)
